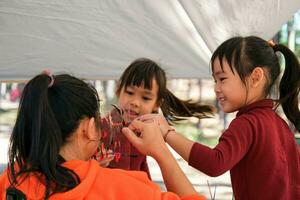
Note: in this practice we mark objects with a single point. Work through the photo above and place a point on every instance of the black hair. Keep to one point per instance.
(244, 54)
(49, 114)
(142, 71)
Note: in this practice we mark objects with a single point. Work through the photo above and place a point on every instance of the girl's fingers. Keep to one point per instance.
(147, 120)
(158, 119)
(147, 117)
(105, 161)
(109, 151)
(152, 118)
(149, 140)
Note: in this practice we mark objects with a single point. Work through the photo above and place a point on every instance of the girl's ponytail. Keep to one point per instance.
(290, 85)
(175, 109)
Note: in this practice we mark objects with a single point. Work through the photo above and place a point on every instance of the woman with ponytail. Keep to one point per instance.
(57, 130)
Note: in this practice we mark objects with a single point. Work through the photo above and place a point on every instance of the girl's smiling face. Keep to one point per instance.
(137, 100)
(230, 91)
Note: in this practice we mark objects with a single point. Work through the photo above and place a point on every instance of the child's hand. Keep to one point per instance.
(159, 120)
(108, 157)
(150, 141)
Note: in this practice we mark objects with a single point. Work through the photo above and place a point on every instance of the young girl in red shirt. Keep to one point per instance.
(258, 147)
(142, 89)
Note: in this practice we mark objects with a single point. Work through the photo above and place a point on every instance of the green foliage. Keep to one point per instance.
(292, 24)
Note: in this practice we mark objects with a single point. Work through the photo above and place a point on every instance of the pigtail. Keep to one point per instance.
(175, 109)
(36, 139)
(290, 85)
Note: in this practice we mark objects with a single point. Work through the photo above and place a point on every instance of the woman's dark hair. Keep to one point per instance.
(246, 53)
(142, 71)
(49, 114)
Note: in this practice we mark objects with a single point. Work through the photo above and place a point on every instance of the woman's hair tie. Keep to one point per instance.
(271, 43)
(49, 74)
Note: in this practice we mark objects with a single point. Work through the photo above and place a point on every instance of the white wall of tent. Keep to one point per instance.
(97, 39)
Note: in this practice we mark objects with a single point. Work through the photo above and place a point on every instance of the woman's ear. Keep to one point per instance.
(83, 129)
(92, 130)
(257, 77)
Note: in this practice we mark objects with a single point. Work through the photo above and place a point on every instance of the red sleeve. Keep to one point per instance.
(299, 152)
(233, 145)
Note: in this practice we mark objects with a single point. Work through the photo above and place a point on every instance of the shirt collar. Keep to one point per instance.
(267, 103)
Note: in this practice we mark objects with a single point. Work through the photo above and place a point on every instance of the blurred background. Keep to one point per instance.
(205, 131)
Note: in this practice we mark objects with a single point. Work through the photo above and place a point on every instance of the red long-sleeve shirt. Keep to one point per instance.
(261, 153)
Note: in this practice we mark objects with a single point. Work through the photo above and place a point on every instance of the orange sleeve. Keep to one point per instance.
(193, 197)
(3, 180)
(142, 178)
(172, 196)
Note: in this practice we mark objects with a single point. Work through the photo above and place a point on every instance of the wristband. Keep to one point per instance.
(167, 133)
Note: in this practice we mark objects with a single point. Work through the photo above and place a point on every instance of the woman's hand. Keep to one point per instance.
(108, 157)
(149, 141)
(178, 142)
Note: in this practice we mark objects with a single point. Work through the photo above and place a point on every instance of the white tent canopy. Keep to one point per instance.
(97, 39)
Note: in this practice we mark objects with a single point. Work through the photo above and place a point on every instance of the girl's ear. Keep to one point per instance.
(257, 77)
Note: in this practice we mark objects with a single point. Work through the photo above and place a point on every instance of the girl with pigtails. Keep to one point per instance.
(142, 89)
(258, 147)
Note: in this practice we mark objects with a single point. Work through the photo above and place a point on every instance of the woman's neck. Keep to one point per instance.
(71, 152)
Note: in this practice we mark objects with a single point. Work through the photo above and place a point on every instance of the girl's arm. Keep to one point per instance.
(180, 144)
(232, 146)
(151, 142)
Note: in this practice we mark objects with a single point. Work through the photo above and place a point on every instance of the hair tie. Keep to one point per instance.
(48, 73)
(271, 43)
